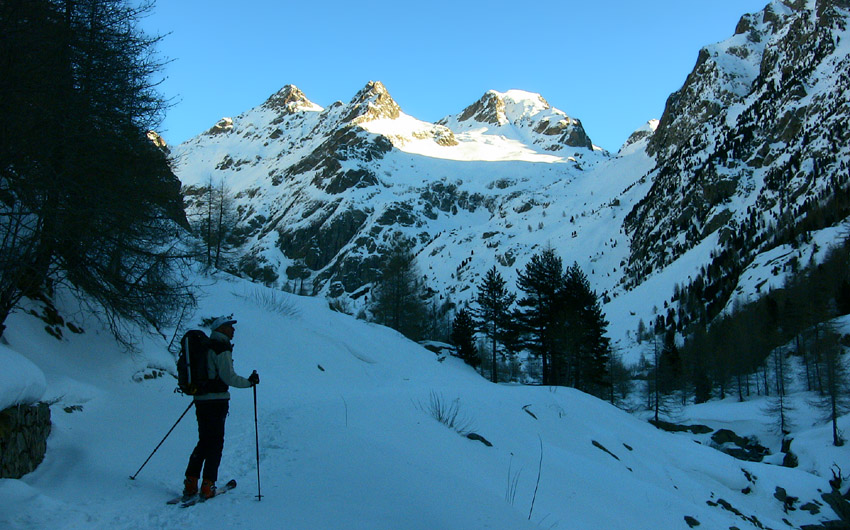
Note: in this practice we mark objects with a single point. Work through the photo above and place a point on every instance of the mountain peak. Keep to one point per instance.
(372, 102)
(501, 108)
(489, 109)
(640, 137)
(288, 100)
(528, 111)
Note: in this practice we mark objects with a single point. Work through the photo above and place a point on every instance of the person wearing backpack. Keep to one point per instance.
(211, 408)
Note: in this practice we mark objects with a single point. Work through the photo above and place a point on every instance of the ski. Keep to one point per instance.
(196, 499)
(180, 499)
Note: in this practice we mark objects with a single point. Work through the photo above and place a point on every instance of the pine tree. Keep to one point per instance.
(586, 326)
(697, 355)
(463, 337)
(542, 282)
(512, 344)
(494, 302)
(670, 364)
(398, 299)
(641, 331)
(658, 401)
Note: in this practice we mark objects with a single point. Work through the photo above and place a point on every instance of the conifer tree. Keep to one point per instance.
(779, 406)
(87, 199)
(213, 221)
(670, 364)
(659, 400)
(542, 282)
(398, 299)
(494, 302)
(463, 337)
(697, 359)
(835, 397)
(619, 383)
(563, 320)
(586, 325)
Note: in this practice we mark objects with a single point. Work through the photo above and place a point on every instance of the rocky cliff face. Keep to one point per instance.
(745, 155)
(757, 130)
(321, 192)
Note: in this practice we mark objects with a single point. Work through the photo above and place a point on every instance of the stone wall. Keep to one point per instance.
(23, 438)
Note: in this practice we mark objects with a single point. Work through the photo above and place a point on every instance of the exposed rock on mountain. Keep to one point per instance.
(640, 137)
(373, 102)
(526, 113)
(489, 109)
(754, 143)
(751, 152)
(224, 125)
(321, 192)
(290, 100)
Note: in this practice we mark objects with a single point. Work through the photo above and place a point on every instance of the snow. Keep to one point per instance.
(21, 381)
(472, 145)
(526, 192)
(347, 440)
(771, 270)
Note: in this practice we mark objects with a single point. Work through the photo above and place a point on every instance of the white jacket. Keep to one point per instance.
(221, 365)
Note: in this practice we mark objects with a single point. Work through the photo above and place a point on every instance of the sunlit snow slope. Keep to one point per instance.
(347, 440)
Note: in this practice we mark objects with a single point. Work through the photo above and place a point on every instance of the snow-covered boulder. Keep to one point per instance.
(24, 423)
(21, 382)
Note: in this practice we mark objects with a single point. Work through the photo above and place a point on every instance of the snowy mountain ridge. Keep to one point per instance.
(523, 113)
(755, 137)
(351, 172)
(747, 155)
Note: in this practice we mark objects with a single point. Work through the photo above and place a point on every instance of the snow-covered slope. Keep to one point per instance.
(347, 440)
(749, 158)
(748, 154)
(324, 190)
(755, 142)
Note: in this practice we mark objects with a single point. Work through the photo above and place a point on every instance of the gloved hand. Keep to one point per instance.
(254, 378)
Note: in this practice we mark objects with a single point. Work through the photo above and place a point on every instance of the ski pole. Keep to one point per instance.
(163, 440)
(257, 441)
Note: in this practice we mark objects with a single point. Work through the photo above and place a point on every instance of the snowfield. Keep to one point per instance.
(348, 439)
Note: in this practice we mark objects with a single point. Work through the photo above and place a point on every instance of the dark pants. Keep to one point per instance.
(207, 454)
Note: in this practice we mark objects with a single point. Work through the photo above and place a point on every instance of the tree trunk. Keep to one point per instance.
(494, 376)
(220, 230)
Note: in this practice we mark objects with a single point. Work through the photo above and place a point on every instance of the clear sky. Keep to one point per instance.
(609, 63)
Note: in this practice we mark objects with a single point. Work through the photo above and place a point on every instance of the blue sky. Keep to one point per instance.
(609, 63)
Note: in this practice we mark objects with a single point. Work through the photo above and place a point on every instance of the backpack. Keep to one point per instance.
(192, 366)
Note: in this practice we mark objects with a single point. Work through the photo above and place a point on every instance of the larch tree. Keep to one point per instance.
(86, 198)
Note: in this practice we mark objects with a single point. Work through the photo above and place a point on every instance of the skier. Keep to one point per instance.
(211, 409)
